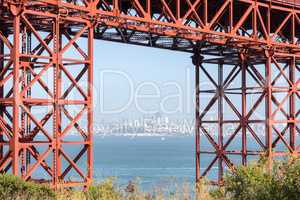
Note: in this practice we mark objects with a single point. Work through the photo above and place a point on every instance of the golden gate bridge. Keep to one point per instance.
(253, 44)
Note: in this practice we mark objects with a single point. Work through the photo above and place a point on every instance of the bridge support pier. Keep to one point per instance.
(282, 111)
(46, 94)
(246, 109)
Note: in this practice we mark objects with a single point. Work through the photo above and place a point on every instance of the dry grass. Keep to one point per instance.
(107, 190)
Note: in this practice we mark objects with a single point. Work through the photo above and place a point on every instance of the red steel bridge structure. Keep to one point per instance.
(246, 51)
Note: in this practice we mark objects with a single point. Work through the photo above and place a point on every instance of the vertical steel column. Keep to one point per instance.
(268, 91)
(292, 104)
(28, 95)
(197, 121)
(244, 109)
(90, 158)
(23, 114)
(57, 95)
(14, 144)
(1, 95)
(197, 61)
(220, 93)
(269, 120)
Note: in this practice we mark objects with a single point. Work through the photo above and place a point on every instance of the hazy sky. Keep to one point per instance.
(130, 81)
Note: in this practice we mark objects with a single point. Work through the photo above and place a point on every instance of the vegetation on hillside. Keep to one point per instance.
(13, 188)
(254, 182)
(258, 182)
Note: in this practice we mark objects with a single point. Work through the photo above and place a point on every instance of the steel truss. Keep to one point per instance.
(246, 110)
(35, 125)
(254, 46)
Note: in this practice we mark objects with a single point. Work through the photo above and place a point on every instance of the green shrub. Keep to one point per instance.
(217, 193)
(249, 183)
(103, 191)
(288, 178)
(12, 188)
(257, 182)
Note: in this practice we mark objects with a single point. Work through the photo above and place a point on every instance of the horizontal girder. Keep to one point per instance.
(176, 24)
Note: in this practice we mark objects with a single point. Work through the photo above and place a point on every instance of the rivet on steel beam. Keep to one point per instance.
(269, 52)
(243, 54)
(197, 59)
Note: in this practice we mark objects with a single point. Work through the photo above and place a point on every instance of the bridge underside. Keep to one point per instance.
(247, 71)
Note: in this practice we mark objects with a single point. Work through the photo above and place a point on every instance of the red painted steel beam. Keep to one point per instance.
(27, 67)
